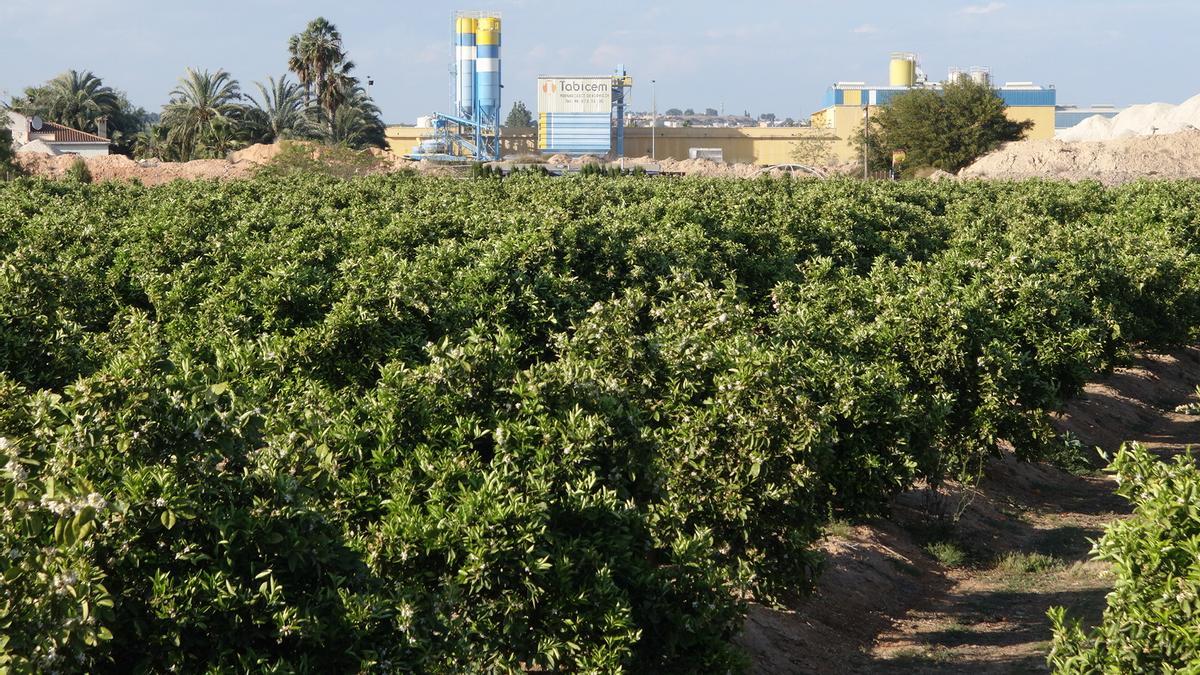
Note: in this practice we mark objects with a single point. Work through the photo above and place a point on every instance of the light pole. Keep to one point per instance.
(866, 139)
(653, 120)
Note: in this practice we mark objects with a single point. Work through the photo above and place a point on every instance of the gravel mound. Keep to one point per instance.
(1111, 162)
(1139, 120)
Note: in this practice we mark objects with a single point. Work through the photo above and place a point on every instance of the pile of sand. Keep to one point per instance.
(1138, 120)
(1111, 162)
(149, 172)
(240, 164)
(261, 153)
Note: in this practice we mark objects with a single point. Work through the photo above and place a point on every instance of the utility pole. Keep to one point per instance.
(653, 120)
(866, 139)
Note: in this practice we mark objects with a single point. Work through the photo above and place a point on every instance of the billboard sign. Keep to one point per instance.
(575, 94)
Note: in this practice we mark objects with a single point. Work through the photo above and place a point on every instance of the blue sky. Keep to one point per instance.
(764, 56)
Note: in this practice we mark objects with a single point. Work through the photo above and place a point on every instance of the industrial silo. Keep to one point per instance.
(487, 66)
(465, 58)
(981, 75)
(903, 71)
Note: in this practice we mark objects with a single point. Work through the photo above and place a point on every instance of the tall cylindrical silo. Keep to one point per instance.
(464, 62)
(487, 63)
(903, 70)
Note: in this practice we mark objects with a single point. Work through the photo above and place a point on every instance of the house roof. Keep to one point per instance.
(60, 133)
(68, 135)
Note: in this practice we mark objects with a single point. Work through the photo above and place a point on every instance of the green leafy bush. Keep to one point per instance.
(1152, 622)
(79, 171)
(404, 423)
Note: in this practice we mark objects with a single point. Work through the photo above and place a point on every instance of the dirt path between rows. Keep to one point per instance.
(911, 595)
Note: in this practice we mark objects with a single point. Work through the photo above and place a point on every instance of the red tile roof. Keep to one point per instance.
(66, 134)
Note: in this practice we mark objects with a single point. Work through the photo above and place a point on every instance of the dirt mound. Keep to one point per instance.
(1111, 162)
(240, 164)
(260, 153)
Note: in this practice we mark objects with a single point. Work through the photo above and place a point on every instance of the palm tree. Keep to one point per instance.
(357, 122)
(74, 99)
(281, 111)
(203, 114)
(336, 89)
(319, 61)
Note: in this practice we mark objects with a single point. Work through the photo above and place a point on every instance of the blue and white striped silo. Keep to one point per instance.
(465, 60)
(487, 65)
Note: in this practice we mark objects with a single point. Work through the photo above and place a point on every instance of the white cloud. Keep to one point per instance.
(866, 29)
(989, 8)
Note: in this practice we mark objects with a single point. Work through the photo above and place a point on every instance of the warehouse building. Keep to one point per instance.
(847, 103)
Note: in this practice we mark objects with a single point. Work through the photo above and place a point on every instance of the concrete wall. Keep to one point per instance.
(747, 145)
(81, 149)
(751, 145)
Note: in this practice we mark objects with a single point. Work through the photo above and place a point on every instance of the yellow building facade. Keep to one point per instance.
(847, 104)
(749, 145)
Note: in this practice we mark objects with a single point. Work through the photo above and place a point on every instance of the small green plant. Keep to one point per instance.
(1190, 408)
(1018, 564)
(1071, 455)
(947, 553)
(923, 654)
(1152, 622)
(841, 529)
(79, 171)
(592, 170)
(482, 170)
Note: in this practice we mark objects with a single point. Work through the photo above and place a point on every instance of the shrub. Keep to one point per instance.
(79, 171)
(1152, 621)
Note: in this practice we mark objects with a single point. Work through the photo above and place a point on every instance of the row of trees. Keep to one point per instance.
(209, 114)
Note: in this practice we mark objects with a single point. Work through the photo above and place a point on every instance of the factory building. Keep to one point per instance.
(846, 103)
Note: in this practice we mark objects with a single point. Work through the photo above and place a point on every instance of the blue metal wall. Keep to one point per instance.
(1028, 98)
(576, 133)
(1015, 98)
(1068, 119)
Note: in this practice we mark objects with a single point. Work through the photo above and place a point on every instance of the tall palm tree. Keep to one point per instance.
(319, 61)
(203, 113)
(336, 89)
(281, 111)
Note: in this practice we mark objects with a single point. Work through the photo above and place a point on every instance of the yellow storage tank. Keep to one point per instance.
(488, 30)
(903, 71)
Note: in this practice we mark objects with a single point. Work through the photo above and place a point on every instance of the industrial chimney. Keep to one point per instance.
(102, 127)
